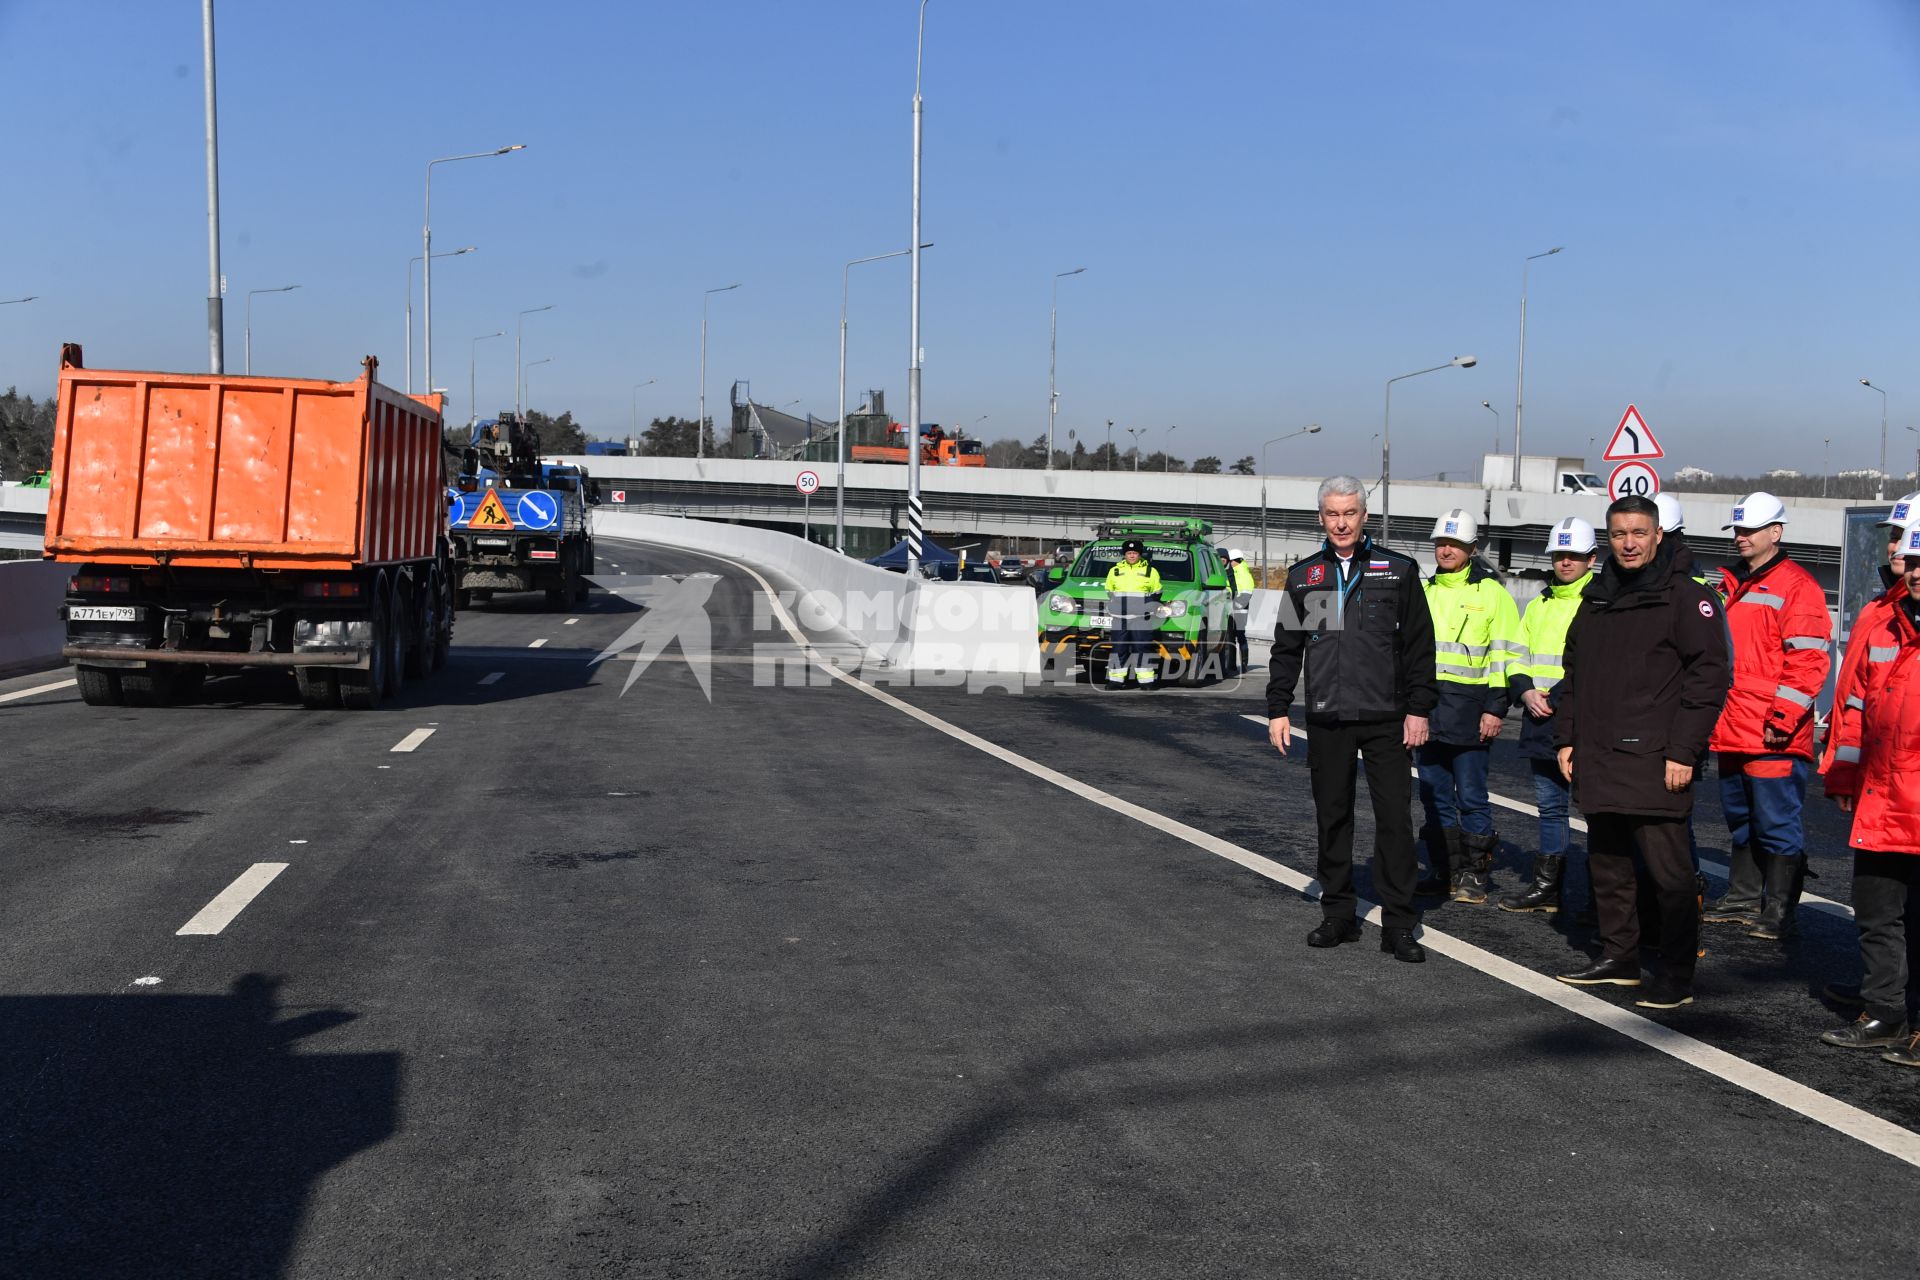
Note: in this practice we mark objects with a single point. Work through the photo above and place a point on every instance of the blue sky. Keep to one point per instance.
(1279, 207)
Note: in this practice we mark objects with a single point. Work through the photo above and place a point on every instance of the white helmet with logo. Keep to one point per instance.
(1235, 553)
(1911, 543)
(1904, 511)
(1571, 535)
(1756, 511)
(1457, 526)
(1673, 516)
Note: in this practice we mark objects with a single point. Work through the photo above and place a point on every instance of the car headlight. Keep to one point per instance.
(1063, 604)
(1176, 608)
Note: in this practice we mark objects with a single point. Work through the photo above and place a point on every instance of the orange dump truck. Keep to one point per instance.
(217, 521)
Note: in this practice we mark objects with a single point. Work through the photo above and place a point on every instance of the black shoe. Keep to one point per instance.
(1844, 994)
(1469, 885)
(1730, 910)
(1667, 991)
(1866, 1032)
(1544, 893)
(1400, 942)
(1605, 973)
(1779, 916)
(1331, 933)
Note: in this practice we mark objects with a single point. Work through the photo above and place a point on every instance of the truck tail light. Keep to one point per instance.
(100, 584)
(330, 590)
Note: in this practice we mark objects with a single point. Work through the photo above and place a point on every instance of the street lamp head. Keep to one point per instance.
(518, 146)
(1314, 430)
(1486, 404)
(1865, 383)
(1076, 271)
(1557, 248)
(1465, 362)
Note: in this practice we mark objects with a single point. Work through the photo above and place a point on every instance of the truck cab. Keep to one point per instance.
(1194, 636)
(518, 522)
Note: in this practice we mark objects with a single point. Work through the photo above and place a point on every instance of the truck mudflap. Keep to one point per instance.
(127, 656)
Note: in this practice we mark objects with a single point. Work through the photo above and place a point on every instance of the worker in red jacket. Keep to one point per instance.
(1875, 735)
(1782, 648)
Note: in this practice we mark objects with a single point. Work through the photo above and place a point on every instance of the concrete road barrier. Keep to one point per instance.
(31, 632)
(910, 624)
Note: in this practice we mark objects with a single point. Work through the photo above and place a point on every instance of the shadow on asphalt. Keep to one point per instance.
(150, 1135)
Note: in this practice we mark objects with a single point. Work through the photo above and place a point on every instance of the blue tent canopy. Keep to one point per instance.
(895, 557)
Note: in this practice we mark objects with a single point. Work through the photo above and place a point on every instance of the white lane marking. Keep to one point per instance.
(148, 981)
(232, 900)
(43, 688)
(538, 643)
(492, 677)
(1812, 901)
(1842, 1117)
(296, 842)
(412, 741)
(569, 622)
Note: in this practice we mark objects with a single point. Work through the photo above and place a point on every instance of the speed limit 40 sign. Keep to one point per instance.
(1633, 479)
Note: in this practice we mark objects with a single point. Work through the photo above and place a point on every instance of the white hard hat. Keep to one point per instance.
(1904, 510)
(1457, 526)
(1756, 511)
(1234, 553)
(1572, 534)
(1910, 545)
(1673, 516)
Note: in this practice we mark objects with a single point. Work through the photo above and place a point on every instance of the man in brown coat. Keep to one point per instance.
(1647, 673)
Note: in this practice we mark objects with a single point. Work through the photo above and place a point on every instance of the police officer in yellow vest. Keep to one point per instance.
(1538, 667)
(1240, 579)
(1475, 626)
(1133, 587)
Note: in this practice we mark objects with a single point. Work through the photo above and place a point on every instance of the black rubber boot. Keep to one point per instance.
(1544, 893)
(1474, 871)
(1444, 857)
(1785, 879)
(1740, 904)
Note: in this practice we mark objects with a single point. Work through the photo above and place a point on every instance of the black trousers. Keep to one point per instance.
(1885, 885)
(1330, 757)
(1666, 858)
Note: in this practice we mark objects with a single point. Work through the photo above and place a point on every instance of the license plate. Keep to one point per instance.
(1100, 620)
(491, 542)
(103, 613)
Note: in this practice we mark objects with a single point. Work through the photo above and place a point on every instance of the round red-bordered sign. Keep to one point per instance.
(1633, 479)
(807, 482)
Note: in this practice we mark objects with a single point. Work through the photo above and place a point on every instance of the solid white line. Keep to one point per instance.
(538, 643)
(1842, 1117)
(232, 900)
(1812, 901)
(412, 740)
(492, 677)
(569, 622)
(44, 688)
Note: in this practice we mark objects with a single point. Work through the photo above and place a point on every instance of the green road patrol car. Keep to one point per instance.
(1194, 637)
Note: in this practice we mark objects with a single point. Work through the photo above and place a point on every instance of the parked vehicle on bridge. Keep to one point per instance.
(517, 523)
(937, 448)
(1194, 637)
(1541, 474)
(217, 521)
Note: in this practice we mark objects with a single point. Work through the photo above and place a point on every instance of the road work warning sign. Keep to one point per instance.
(492, 513)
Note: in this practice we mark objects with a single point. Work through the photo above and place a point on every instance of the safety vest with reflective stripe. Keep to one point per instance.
(1543, 634)
(1782, 638)
(1242, 578)
(1476, 628)
(1137, 579)
(1875, 729)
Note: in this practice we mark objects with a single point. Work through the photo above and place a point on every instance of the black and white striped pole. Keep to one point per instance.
(916, 516)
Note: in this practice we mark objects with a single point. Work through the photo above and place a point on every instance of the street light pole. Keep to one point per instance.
(216, 323)
(1826, 464)
(840, 475)
(1312, 429)
(1520, 376)
(1166, 452)
(1883, 434)
(1053, 358)
(426, 252)
(451, 253)
(473, 364)
(247, 364)
(636, 404)
(29, 298)
(1386, 437)
(1488, 406)
(916, 516)
(700, 424)
(1136, 433)
(519, 331)
(535, 365)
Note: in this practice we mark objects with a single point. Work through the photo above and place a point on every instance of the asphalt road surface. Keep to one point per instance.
(809, 979)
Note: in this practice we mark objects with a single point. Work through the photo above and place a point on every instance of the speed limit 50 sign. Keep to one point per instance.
(1633, 479)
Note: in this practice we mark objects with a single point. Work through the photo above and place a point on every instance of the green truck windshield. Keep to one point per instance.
(1174, 563)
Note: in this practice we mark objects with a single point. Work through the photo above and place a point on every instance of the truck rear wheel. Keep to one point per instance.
(98, 686)
(152, 687)
(399, 635)
(420, 654)
(319, 691)
(362, 689)
(443, 635)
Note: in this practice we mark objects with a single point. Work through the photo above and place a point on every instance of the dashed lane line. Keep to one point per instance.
(1842, 1117)
(492, 677)
(1812, 901)
(37, 689)
(569, 622)
(232, 900)
(538, 644)
(412, 741)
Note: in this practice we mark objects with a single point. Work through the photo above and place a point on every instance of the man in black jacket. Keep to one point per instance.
(1355, 617)
(1647, 673)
